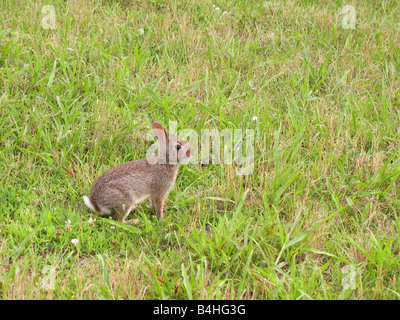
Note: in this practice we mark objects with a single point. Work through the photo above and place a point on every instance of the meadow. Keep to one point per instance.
(317, 218)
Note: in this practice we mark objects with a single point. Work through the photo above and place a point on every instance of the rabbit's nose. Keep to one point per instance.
(189, 152)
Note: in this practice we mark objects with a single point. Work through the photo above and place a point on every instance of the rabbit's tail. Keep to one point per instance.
(91, 204)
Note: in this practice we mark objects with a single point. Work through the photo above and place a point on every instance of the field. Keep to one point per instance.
(316, 81)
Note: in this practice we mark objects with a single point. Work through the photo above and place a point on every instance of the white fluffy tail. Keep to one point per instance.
(103, 210)
(88, 203)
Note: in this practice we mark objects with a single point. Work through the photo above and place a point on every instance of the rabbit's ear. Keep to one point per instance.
(159, 131)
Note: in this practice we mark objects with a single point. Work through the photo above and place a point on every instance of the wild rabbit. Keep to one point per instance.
(121, 188)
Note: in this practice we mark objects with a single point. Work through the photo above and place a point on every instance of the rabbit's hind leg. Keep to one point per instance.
(121, 212)
(131, 208)
(127, 211)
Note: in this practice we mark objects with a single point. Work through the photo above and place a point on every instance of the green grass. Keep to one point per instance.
(79, 99)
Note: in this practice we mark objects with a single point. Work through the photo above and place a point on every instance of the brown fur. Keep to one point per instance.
(120, 188)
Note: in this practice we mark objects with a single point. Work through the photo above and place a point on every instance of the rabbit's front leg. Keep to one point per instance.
(158, 204)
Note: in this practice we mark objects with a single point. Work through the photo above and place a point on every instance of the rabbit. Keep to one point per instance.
(121, 188)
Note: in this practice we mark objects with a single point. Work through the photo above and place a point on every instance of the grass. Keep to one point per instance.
(79, 99)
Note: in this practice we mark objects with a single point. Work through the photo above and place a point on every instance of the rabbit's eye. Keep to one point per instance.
(178, 147)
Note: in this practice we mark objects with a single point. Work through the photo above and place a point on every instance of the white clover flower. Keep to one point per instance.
(254, 118)
(91, 219)
(251, 84)
(141, 31)
(68, 225)
(216, 8)
(75, 242)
